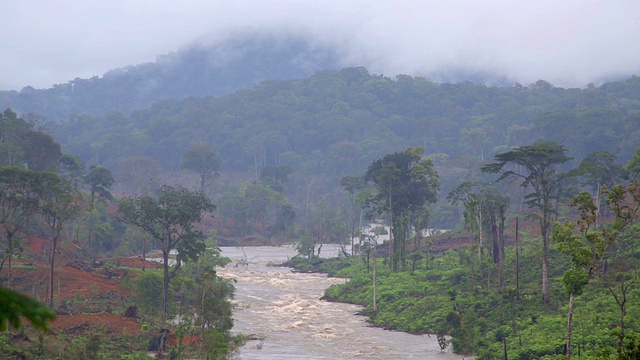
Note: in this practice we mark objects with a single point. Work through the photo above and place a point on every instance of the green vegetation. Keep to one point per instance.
(275, 158)
(14, 305)
(486, 304)
(334, 124)
(445, 297)
(169, 218)
(50, 200)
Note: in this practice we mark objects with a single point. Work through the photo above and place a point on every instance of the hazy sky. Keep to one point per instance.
(566, 42)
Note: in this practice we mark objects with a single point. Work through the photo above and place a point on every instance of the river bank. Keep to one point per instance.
(282, 308)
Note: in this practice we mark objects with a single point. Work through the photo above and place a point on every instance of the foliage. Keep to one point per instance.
(540, 161)
(100, 180)
(234, 63)
(201, 158)
(148, 289)
(21, 196)
(446, 297)
(61, 203)
(14, 305)
(335, 123)
(405, 183)
(169, 219)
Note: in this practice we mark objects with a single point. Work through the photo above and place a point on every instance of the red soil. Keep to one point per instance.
(84, 290)
(113, 324)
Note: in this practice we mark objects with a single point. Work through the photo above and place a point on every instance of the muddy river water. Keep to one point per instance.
(284, 310)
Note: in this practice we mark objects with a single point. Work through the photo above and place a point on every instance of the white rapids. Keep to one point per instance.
(283, 309)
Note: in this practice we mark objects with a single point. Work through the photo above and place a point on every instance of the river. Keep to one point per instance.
(284, 310)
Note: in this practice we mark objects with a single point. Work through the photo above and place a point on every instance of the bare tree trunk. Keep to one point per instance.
(91, 225)
(544, 228)
(391, 262)
(622, 304)
(10, 255)
(480, 233)
(504, 345)
(517, 263)
(144, 250)
(501, 250)
(375, 303)
(545, 273)
(53, 260)
(255, 165)
(165, 281)
(598, 207)
(569, 325)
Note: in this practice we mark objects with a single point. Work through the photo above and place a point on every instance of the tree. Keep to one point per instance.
(13, 135)
(352, 185)
(597, 169)
(43, 151)
(19, 201)
(60, 203)
(275, 177)
(99, 180)
(495, 207)
(587, 248)
(535, 167)
(326, 225)
(633, 166)
(467, 194)
(71, 168)
(404, 183)
(202, 159)
(484, 211)
(261, 201)
(169, 218)
(284, 222)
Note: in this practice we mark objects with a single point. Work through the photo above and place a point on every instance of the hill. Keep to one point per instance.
(211, 69)
(334, 123)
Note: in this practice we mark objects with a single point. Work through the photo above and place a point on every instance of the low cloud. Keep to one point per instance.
(568, 43)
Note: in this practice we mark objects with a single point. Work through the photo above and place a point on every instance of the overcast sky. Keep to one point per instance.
(566, 42)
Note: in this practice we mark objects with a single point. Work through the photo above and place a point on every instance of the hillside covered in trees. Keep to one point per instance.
(240, 61)
(334, 123)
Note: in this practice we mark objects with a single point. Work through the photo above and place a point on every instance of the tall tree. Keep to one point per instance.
(60, 203)
(43, 151)
(467, 194)
(71, 168)
(13, 135)
(404, 183)
(19, 201)
(484, 212)
(495, 208)
(201, 158)
(352, 185)
(535, 166)
(597, 169)
(633, 166)
(170, 218)
(99, 180)
(587, 247)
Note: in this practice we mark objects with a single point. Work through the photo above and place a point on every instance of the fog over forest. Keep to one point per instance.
(569, 43)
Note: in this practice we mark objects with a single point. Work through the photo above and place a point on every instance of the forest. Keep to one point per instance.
(335, 123)
(536, 185)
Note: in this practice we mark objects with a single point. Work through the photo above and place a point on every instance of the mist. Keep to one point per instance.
(567, 43)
